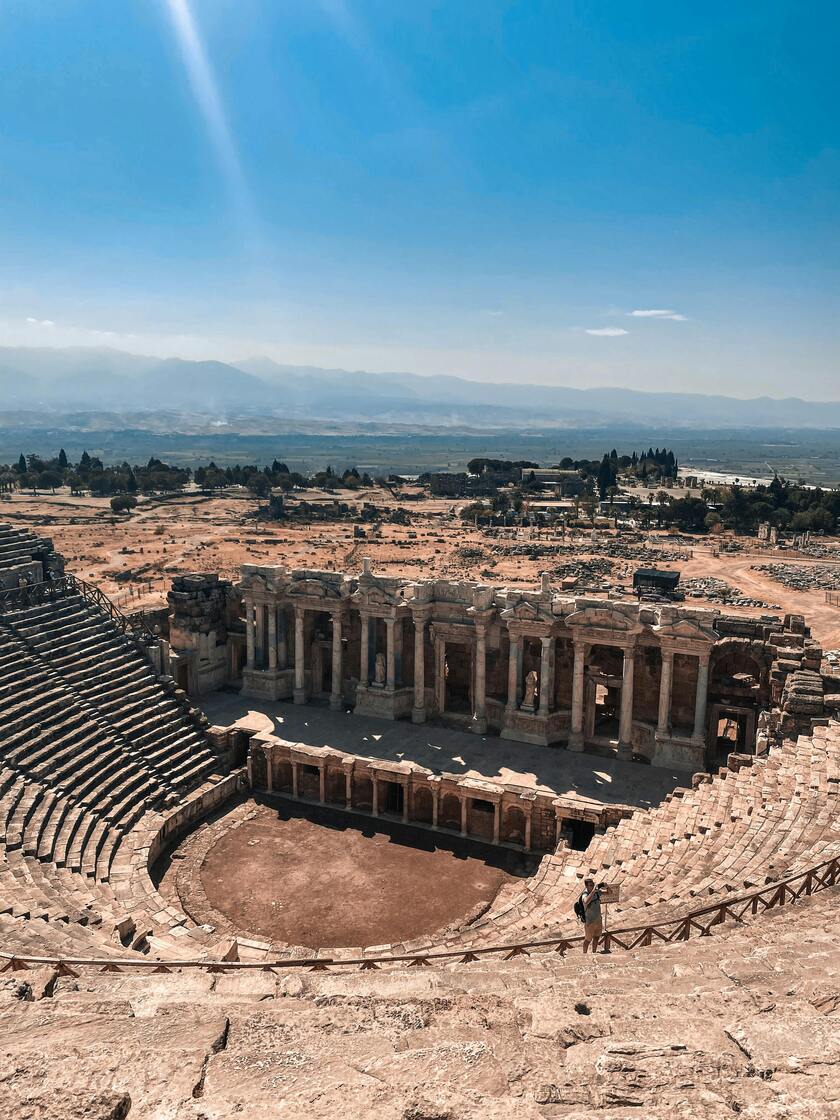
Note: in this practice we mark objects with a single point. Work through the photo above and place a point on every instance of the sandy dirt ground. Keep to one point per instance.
(133, 559)
(319, 880)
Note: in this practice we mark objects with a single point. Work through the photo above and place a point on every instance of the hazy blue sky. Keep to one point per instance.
(478, 187)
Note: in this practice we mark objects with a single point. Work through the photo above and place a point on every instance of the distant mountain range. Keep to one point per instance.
(54, 381)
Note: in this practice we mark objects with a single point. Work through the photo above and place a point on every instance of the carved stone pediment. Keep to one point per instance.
(603, 619)
(526, 612)
(685, 630)
(372, 595)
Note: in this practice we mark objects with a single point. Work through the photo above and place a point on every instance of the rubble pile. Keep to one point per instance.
(801, 578)
(719, 591)
(470, 552)
(592, 573)
(614, 548)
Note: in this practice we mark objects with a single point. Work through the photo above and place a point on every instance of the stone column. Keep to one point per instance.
(390, 655)
(514, 672)
(295, 779)
(364, 652)
(259, 635)
(272, 637)
(625, 730)
(546, 675)
(666, 677)
(435, 804)
(300, 663)
(337, 692)
(418, 713)
(528, 827)
(322, 783)
(405, 802)
(269, 768)
(479, 724)
(497, 813)
(701, 696)
(374, 802)
(464, 811)
(576, 733)
(348, 787)
(250, 635)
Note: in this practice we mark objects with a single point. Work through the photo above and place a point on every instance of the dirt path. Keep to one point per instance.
(737, 569)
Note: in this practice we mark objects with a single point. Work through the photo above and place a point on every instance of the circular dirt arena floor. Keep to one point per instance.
(325, 879)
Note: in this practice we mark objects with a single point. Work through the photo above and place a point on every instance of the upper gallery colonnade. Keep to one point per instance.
(534, 666)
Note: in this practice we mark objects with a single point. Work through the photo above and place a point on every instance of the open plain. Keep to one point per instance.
(133, 559)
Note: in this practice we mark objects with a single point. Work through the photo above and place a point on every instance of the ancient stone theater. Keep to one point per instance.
(309, 844)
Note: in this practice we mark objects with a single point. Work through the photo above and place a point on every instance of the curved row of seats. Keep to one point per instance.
(735, 831)
(93, 749)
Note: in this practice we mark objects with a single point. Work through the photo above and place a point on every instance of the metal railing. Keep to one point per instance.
(833, 598)
(53, 590)
(696, 923)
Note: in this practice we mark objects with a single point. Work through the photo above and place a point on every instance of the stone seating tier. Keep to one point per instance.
(734, 831)
(86, 788)
(18, 546)
(83, 762)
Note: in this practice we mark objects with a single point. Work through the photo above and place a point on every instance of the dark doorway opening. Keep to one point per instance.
(578, 834)
(394, 798)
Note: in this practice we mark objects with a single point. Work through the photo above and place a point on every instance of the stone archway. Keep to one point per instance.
(423, 805)
(513, 825)
(450, 812)
(259, 768)
(362, 792)
(282, 776)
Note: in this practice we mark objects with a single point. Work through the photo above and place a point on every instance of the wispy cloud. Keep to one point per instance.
(606, 332)
(658, 313)
(40, 322)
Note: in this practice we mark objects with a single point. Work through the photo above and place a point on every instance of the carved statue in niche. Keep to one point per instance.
(531, 690)
(379, 670)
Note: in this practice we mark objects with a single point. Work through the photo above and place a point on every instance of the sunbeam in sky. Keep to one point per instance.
(206, 92)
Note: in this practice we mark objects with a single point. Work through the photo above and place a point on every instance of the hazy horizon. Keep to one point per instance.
(244, 361)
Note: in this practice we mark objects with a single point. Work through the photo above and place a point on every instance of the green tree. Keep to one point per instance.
(50, 480)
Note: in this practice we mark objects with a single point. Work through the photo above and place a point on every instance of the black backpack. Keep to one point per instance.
(579, 909)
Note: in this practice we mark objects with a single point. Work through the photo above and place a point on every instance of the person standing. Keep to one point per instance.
(593, 924)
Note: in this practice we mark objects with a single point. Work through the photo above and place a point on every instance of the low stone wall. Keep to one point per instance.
(485, 811)
(181, 819)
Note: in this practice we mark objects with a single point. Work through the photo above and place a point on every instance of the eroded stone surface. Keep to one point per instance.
(745, 1023)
